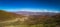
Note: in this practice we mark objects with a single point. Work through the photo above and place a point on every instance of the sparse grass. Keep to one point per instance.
(19, 25)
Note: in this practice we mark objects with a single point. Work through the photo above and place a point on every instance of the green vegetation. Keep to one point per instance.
(32, 21)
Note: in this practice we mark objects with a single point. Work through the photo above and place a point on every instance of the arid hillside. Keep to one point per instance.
(8, 19)
(5, 16)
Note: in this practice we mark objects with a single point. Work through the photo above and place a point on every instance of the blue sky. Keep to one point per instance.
(30, 5)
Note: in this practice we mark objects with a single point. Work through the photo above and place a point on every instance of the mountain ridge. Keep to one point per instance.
(35, 13)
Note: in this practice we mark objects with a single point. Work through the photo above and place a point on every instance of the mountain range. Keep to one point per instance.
(35, 13)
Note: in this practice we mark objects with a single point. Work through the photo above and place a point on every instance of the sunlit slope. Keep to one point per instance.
(5, 16)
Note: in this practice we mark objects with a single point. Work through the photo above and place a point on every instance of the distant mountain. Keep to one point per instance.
(35, 13)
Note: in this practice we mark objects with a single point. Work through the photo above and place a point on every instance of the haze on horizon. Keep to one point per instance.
(29, 10)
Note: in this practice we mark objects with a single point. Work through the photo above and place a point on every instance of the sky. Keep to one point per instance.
(30, 5)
